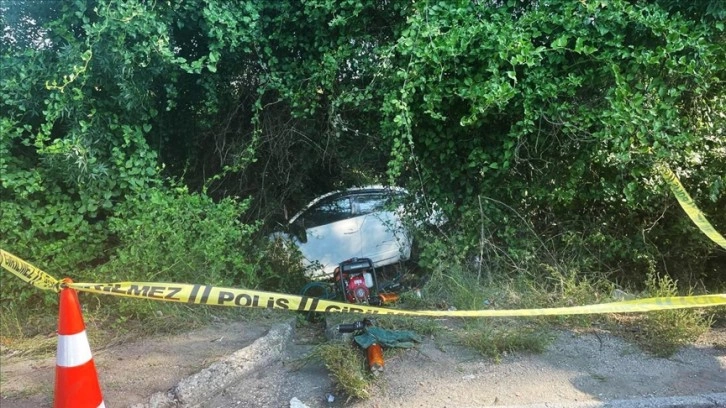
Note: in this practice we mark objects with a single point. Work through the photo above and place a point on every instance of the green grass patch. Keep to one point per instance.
(347, 368)
(424, 326)
(497, 341)
(662, 333)
(111, 321)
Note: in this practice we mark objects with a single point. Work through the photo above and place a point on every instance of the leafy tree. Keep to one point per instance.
(95, 103)
(562, 109)
(111, 111)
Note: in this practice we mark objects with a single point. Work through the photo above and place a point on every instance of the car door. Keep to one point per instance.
(332, 232)
(383, 237)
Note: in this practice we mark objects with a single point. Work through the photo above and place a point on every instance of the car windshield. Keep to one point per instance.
(325, 212)
(343, 205)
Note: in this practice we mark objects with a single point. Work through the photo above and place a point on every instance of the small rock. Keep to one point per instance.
(296, 403)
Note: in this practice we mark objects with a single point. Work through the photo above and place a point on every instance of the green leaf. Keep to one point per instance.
(560, 42)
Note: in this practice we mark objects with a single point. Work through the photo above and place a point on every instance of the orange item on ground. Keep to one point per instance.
(375, 358)
(388, 297)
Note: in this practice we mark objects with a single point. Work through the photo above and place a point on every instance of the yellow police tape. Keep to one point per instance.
(221, 296)
(27, 272)
(689, 206)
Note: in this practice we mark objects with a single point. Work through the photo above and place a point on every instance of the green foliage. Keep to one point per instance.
(162, 235)
(509, 265)
(663, 333)
(167, 235)
(90, 106)
(424, 326)
(561, 110)
(281, 269)
(23, 329)
(534, 125)
(574, 288)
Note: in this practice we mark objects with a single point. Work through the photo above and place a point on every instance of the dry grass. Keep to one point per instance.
(347, 367)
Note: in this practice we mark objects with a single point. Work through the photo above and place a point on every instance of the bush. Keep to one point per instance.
(482, 264)
(281, 268)
(662, 333)
(161, 234)
(174, 235)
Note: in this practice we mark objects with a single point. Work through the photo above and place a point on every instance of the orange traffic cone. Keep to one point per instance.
(76, 381)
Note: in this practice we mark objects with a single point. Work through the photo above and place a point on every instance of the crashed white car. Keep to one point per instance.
(354, 223)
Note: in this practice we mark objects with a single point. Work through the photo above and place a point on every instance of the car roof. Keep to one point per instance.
(372, 189)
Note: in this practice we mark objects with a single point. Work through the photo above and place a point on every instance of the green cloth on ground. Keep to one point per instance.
(387, 338)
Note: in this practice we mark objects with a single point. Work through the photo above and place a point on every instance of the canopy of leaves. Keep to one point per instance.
(113, 110)
(562, 109)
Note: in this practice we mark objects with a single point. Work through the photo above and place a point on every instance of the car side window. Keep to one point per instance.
(368, 203)
(328, 211)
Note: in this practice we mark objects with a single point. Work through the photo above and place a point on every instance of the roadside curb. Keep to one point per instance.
(692, 401)
(194, 390)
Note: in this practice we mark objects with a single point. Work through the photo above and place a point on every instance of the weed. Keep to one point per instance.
(495, 342)
(117, 320)
(38, 346)
(420, 325)
(347, 368)
(281, 269)
(414, 300)
(570, 288)
(26, 332)
(662, 333)
(548, 278)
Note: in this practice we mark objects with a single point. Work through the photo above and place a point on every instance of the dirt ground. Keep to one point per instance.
(438, 373)
(129, 373)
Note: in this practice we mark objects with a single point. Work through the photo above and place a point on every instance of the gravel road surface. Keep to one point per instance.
(252, 364)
